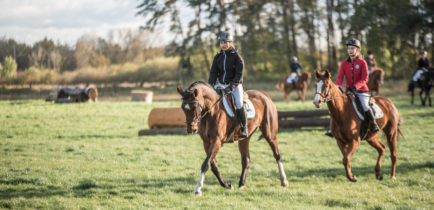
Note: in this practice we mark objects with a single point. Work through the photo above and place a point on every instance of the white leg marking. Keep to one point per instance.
(199, 185)
(282, 175)
(318, 90)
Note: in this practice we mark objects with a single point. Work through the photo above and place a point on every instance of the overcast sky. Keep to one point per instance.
(65, 21)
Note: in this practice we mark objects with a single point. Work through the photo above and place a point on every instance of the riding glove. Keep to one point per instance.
(352, 89)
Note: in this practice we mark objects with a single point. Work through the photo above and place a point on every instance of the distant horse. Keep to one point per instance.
(376, 79)
(425, 84)
(345, 124)
(205, 114)
(301, 86)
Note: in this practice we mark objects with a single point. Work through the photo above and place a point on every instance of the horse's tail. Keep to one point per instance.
(399, 129)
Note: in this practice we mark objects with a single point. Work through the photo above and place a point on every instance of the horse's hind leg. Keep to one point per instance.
(375, 142)
(392, 142)
(216, 172)
(272, 141)
(243, 146)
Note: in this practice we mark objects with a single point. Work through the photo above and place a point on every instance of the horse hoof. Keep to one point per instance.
(199, 193)
(354, 179)
(241, 187)
(285, 183)
(393, 177)
(380, 177)
(230, 187)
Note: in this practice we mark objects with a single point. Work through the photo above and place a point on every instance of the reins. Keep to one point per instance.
(200, 116)
(325, 97)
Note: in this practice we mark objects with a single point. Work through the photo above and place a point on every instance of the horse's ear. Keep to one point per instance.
(327, 74)
(180, 91)
(195, 93)
(317, 74)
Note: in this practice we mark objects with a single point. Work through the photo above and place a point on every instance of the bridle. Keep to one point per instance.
(199, 116)
(325, 97)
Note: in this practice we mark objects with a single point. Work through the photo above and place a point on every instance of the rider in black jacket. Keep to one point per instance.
(227, 67)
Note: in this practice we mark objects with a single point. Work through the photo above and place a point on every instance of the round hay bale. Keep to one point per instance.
(141, 95)
(166, 118)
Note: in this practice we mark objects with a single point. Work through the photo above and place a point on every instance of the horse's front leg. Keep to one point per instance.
(212, 151)
(352, 147)
(422, 100)
(216, 172)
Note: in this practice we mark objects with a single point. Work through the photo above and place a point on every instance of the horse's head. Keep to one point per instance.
(323, 87)
(192, 107)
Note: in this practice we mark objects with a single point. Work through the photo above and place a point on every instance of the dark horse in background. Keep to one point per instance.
(425, 84)
(345, 124)
(301, 86)
(376, 80)
(205, 114)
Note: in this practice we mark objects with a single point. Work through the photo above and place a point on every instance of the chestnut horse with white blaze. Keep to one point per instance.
(205, 114)
(376, 79)
(301, 86)
(345, 124)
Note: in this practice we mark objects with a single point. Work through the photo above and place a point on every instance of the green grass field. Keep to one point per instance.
(89, 156)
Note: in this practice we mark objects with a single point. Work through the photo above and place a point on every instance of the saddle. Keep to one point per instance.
(378, 113)
(229, 105)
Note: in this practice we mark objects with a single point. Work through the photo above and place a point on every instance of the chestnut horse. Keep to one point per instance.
(205, 114)
(345, 124)
(301, 86)
(376, 79)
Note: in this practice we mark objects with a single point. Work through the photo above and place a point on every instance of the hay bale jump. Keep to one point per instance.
(165, 121)
(305, 118)
(142, 95)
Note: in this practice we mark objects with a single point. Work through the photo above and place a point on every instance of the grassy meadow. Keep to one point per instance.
(89, 156)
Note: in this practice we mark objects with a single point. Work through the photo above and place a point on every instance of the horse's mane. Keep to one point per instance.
(188, 91)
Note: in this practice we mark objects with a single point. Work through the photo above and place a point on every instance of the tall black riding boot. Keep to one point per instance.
(294, 85)
(374, 127)
(242, 117)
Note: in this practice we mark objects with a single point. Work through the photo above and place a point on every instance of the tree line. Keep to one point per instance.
(91, 58)
(269, 32)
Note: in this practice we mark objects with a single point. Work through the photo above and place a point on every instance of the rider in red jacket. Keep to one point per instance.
(356, 74)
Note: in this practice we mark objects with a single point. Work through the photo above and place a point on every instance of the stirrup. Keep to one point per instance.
(329, 134)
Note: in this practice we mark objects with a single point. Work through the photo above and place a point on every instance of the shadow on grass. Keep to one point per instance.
(359, 171)
(30, 192)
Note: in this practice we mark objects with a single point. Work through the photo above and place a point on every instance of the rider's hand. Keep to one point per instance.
(352, 89)
(228, 89)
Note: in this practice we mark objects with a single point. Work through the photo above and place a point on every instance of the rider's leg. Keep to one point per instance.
(241, 113)
(417, 75)
(364, 100)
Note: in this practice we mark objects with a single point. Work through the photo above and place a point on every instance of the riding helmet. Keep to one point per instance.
(354, 42)
(225, 36)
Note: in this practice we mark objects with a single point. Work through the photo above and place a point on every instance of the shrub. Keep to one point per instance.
(9, 69)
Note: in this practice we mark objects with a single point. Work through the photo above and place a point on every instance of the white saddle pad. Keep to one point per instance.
(378, 113)
(248, 106)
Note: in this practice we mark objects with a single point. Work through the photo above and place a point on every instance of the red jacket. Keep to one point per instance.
(356, 74)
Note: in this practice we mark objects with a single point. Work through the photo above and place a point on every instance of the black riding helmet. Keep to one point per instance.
(225, 36)
(354, 42)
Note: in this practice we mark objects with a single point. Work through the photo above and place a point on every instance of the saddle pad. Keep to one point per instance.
(248, 106)
(378, 113)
